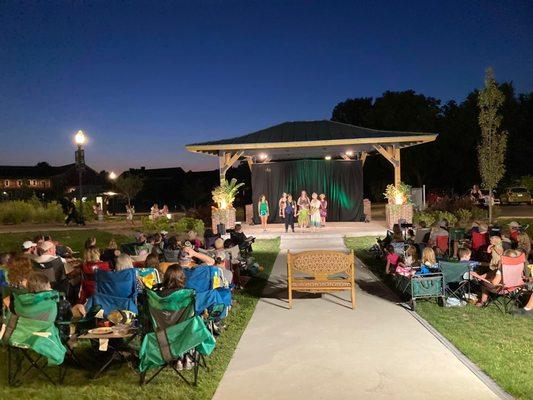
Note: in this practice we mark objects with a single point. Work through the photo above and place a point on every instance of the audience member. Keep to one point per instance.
(51, 265)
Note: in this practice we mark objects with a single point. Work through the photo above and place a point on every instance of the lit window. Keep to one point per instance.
(19, 183)
(33, 182)
(6, 183)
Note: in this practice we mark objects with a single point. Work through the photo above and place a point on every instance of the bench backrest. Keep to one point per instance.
(321, 263)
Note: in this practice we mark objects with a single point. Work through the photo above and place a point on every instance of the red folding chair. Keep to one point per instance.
(88, 284)
(479, 240)
(512, 285)
(442, 243)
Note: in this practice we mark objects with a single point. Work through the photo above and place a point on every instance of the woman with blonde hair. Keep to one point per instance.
(91, 254)
(124, 261)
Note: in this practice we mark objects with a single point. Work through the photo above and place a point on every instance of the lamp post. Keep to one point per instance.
(112, 177)
(79, 139)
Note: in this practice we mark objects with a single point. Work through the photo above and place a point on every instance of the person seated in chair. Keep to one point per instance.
(51, 265)
(240, 239)
(392, 259)
(429, 262)
(38, 282)
(187, 256)
(173, 280)
(493, 277)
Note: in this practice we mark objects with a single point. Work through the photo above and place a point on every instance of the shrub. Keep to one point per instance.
(448, 216)
(478, 214)
(19, 211)
(186, 224)
(464, 215)
(156, 225)
(427, 217)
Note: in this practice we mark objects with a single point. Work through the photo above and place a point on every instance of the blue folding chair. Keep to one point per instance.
(115, 290)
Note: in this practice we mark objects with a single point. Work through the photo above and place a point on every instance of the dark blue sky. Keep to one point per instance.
(145, 78)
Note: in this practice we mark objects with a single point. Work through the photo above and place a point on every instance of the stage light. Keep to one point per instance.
(262, 156)
(328, 158)
(349, 153)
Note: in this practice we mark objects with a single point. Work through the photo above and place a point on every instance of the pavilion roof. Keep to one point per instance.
(311, 138)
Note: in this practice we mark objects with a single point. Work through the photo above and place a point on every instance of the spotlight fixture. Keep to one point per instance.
(262, 156)
(327, 157)
(349, 153)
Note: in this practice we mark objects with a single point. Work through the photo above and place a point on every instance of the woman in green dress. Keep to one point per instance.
(264, 212)
(303, 210)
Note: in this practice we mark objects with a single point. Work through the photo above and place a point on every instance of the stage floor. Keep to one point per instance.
(332, 229)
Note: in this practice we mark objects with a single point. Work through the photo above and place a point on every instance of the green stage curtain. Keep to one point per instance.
(341, 181)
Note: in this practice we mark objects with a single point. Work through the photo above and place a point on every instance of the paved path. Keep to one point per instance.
(321, 349)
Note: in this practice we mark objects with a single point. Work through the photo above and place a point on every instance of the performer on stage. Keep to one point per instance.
(282, 203)
(264, 212)
(323, 209)
(288, 213)
(303, 210)
(315, 211)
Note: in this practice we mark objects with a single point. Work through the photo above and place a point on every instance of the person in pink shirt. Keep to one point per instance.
(392, 259)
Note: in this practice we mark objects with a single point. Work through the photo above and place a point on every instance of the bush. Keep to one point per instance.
(464, 215)
(427, 217)
(448, 216)
(187, 224)
(183, 225)
(19, 211)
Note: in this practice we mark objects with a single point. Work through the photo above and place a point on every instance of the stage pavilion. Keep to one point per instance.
(322, 156)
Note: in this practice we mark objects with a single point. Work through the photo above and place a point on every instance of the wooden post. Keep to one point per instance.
(397, 167)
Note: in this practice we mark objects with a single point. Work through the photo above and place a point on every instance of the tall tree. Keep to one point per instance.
(129, 186)
(491, 149)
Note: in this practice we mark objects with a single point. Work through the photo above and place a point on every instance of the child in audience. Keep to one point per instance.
(429, 262)
(406, 266)
(392, 259)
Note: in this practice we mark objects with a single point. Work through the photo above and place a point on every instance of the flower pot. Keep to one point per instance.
(226, 216)
(395, 212)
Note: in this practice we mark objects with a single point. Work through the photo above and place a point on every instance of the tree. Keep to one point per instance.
(491, 149)
(129, 186)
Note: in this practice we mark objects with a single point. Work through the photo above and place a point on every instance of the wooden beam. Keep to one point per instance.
(225, 161)
(362, 158)
(388, 154)
(250, 161)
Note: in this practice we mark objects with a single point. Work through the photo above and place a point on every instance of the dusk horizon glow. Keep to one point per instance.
(144, 81)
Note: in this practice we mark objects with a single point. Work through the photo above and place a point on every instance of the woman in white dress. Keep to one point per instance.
(315, 211)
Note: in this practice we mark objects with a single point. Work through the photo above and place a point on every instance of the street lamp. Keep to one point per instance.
(80, 139)
(112, 177)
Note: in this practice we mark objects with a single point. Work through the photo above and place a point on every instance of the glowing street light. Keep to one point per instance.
(79, 155)
(112, 176)
(79, 138)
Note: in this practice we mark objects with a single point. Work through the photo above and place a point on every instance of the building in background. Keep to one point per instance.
(47, 182)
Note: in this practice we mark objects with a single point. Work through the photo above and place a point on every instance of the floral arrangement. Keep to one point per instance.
(398, 195)
(224, 195)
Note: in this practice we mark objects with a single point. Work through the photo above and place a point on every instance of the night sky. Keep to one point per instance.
(143, 79)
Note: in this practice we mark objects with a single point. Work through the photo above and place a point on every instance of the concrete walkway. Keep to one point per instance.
(321, 349)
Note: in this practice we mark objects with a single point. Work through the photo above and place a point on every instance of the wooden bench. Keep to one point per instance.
(317, 269)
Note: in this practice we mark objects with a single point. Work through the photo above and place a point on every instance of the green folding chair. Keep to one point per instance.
(176, 332)
(31, 336)
(455, 283)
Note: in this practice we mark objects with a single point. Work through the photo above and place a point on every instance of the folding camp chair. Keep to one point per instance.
(512, 285)
(455, 283)
(442, 243)
(176, 333)
(479, 241)
(148, 276)
(31, 337)
(115, 290)
(88, 283)
(456, 235)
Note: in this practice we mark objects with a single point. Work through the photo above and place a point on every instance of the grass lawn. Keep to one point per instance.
(501, 345)
(73, 238)
(121, 381)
